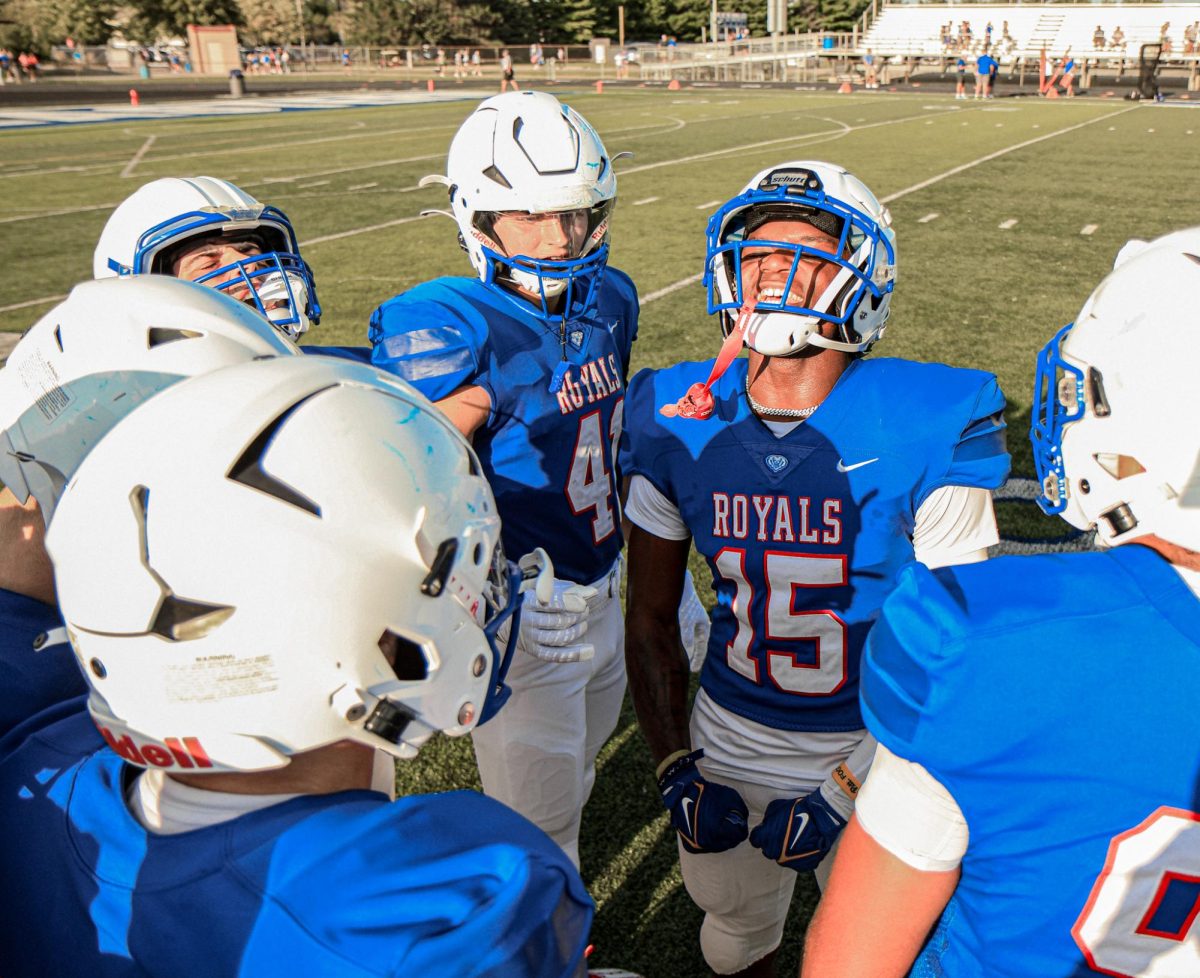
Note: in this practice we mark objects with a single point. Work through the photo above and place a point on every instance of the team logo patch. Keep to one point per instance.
(576, 338)
(776, 463)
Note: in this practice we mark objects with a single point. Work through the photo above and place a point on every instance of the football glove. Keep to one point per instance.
(694, 624)
(798, 832)
(709, 817)
(554, 613)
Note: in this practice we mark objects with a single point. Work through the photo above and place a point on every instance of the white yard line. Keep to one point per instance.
(644, 201)
(354, 231)
(1007, 225)
(1089, 229)
(667, 290)
(43, 301)
(362, 186)
(927, 218)
(708, 204)
(137, 157)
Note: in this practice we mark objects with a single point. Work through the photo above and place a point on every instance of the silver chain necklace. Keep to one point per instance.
(800, 413)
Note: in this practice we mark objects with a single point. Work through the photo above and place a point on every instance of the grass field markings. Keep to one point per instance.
(43, 301)
(1007, 225)
(58, 213)
(137, 157)
(1149, 130)
(353, 231)
(709, 203)
(362, 186)
(315, 183)
(988, 157)
(1089, 229)
(617, 872)
(927, 218)
(347, 169)
(665, 290)
(644, 200)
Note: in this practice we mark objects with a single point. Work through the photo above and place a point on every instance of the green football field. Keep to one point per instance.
(1007, 214)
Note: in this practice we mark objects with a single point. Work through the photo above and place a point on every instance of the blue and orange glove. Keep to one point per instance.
(798, 832)
(709, 817)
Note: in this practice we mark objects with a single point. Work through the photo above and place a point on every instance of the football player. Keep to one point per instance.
(528, 358)
(806, 474)
(255, 629)
(207, 230)
(82, 367)
(1036, 784)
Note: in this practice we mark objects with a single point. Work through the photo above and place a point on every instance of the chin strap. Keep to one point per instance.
(697, 403)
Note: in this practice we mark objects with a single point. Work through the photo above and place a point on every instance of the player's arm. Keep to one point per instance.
(875, 914)
(467, 408)
(654, 655)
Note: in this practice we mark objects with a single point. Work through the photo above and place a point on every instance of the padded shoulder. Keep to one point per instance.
(619, 297)
(433, 336)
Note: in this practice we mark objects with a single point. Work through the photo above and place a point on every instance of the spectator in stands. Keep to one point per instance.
(946, 36)
(1189, 38)
(988, 32)
(29, 64)
(1068, 74)
(872, 79)
(1117, 42)
(1098, 40)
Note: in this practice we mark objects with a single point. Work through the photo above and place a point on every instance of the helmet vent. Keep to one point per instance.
(1121, 519)
(439, 572)
(496, 176)
(161, 335)
(58, 337)
(1195, 258)
(406, 657)
(248, 468)
(389, 720)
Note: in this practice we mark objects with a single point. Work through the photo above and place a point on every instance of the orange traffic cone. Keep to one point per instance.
(673, 85)
(429, 84)
(599, 86)
(845, 89)
(133, 98)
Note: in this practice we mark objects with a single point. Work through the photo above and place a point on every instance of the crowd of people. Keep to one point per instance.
(16, 68)
(240, 579)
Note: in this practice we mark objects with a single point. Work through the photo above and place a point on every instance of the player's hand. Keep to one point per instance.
(554, 613)
(694, 624)
(709, 816)
(798, 832)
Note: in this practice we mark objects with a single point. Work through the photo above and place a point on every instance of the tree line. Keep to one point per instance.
(39, 24)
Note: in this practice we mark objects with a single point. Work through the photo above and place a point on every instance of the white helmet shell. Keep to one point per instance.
(147, 228)
(857, 300)
(279, 556)
(526, 151)
(97, 355)
(1113, 434)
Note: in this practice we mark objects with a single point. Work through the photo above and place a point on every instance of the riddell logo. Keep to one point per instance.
(174, 752)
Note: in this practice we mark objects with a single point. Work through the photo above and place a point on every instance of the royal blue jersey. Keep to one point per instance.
(804, 534)
(37, 666)
(1057, 698)
(549, 456)
(347, 884)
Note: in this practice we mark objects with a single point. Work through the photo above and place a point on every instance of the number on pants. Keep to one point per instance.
(1140, 919)
(784, 574)
(589, 483)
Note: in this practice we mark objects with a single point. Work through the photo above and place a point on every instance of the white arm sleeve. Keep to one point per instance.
(841, 788)
(908, 812)
(955, 525)
(654, 512)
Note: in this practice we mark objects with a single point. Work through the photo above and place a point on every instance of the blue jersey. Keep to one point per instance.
(549, 456)
(37, 666)
(1056, 698)
(347, 884)
(804, 534)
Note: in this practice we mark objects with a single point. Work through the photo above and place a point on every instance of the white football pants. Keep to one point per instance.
(538, 754)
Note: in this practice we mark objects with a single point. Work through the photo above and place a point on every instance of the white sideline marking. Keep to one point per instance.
(1007, 225)
(644, 200)
(996, 155)
(668, 289)
(1089, 229)
(363, 186)
(315, 183)
(927, 218)
(354, 231)
(71, 210)
(711, 203)
(137, 157)
(44, 300)
(1149, 130)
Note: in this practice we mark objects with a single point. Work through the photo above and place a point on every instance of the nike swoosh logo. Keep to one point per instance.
(687, 816)
(842, 467)
(799, 830)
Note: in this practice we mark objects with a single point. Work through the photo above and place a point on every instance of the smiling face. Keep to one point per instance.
(765, 269)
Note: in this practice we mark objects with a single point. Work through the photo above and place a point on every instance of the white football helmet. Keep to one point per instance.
(100, 353)
(1115, 404)
(278, 556)
(147, 230)
(525, 151)
(857, 299)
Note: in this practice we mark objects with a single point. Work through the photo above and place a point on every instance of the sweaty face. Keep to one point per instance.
(211, 253)
(765, 269)
(556, 236)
